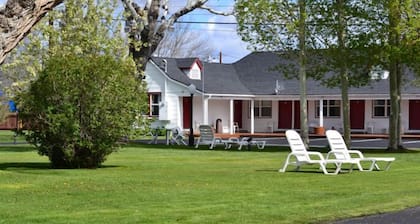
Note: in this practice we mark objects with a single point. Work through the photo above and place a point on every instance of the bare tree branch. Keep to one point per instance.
(184, 42)
(156, 23)
(17, 18)
(217, 12)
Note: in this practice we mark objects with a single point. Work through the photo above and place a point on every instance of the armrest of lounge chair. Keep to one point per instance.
(357, 152)
(318, 154)
(334, 154)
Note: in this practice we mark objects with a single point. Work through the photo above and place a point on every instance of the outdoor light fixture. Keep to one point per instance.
(192, 89)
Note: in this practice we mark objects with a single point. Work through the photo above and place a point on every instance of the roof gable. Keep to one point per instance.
(188, 63)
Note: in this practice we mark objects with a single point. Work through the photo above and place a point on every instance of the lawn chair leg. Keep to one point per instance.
(285, 164)
(387, 166)
(198, 142)
(324, 169)
(249, 140)
(154, 138)
(373, 165)
(260, 144)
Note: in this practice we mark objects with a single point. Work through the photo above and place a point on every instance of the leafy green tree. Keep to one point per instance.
(85, 95)
(398, 40)
(280, 26)
(4, 109)
(342, 30)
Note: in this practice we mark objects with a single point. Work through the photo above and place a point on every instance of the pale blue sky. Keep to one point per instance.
(222, 36)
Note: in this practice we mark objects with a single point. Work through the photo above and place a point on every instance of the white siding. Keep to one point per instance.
(171, 104)
(195, 72)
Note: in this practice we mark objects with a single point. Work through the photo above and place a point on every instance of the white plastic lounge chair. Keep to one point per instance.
(340, 152)
(231, 141)
(177, 136)
(303, 157)
(207, 137)
(247, 141)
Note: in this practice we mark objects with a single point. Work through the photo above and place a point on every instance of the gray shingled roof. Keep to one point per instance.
(254, 75)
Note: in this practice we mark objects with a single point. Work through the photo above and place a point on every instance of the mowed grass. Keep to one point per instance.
(159, 184)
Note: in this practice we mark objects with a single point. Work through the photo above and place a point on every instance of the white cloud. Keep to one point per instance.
(232, 48)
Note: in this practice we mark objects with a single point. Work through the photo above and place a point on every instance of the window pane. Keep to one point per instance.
(379, 102)
(155, 98)
(334, 111)
(334, 103)
(325, 110)
(266, 103)
(155, 110)
(379, 111)
(266, 112)
(256, 112)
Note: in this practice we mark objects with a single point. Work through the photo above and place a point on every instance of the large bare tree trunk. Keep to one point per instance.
(17, 18)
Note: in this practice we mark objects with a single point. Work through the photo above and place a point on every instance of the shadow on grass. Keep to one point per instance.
(16, 148)
(25, 165)
(268, 170)
(42, 166)
(203, 147)
(367, 150)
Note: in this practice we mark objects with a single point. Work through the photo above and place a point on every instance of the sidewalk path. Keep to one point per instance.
(406, 216)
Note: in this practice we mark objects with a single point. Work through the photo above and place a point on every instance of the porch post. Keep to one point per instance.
(252, 116)
(205, 110)
(231, 116)
(321, 113)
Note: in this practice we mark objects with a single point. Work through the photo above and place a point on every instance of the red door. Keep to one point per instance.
(237, 115)
(285, 115)
(297, 115)
(186, 107)
(413, 115)
(357, 114)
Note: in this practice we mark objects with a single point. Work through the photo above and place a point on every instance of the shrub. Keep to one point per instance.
(80, 106)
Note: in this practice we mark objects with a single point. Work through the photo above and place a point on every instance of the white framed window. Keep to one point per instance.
(381, 108)
(262, 109)
(154, 100)
(331, 108)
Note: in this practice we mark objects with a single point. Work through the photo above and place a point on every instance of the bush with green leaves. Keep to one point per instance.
(77, 86)
(80, 107)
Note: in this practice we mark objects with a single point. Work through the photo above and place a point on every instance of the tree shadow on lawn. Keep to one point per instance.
(303, 170)
(25, 165)
(41, 166)
(16, 148)
(206, 148)
(368, 150)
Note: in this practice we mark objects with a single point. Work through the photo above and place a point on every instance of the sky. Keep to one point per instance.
(222, 37)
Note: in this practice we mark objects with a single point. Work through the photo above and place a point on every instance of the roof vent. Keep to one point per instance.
(279, 87)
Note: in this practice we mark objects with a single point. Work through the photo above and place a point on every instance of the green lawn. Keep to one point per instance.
(156, 184)
(7, 137)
